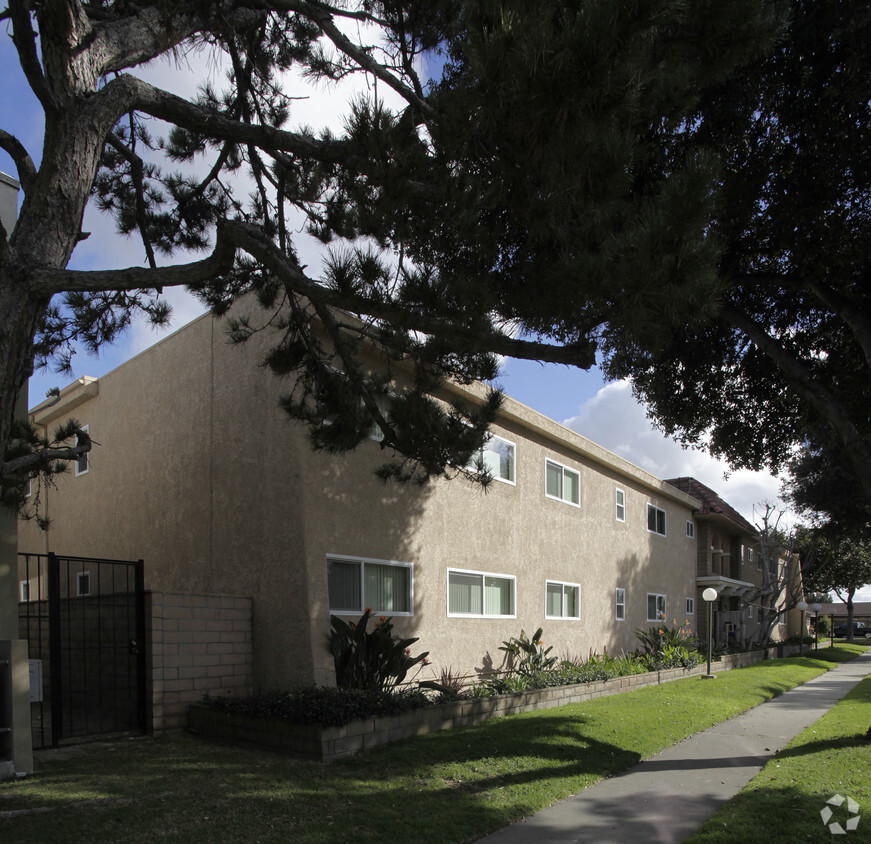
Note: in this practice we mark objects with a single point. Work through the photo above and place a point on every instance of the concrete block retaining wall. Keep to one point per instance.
(311, 741)
(196, 645)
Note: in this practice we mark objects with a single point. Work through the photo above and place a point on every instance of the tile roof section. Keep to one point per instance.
(712, 504)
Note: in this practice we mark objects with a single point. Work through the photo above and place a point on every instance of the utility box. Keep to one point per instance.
(16, 747)
(35, 680)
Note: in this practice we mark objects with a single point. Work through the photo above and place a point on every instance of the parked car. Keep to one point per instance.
(860, 629)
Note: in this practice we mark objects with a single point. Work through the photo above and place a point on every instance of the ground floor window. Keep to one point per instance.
(691, 606)
(562, 600)
(357, 583)
(480, 594)
(655, 607)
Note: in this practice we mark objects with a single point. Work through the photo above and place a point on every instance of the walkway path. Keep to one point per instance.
(667, 797)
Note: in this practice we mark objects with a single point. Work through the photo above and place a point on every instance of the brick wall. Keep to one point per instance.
(312, 741)
(196, 645)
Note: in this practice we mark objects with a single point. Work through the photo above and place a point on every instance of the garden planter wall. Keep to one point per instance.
(312, 741)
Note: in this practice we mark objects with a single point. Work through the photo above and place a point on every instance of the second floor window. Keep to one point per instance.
(562, 483)
(656, 519)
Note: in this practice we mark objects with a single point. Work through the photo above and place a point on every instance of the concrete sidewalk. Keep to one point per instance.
(667, 797)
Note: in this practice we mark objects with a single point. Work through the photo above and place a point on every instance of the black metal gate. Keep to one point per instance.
(84, 619)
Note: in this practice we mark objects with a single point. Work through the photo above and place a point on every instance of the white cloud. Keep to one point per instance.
(614, 419)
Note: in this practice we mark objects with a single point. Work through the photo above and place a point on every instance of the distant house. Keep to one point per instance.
(199, 473)
(838, 610)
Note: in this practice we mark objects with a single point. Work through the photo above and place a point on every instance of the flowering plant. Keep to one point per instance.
(529, 654)
(372, 660)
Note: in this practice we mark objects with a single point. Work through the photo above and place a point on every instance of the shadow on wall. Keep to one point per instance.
(638, 577)
(356, 515)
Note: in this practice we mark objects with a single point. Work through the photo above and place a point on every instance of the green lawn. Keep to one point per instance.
(830, 757)
(445, 787)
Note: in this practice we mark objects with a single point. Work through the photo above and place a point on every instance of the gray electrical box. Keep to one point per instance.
(35, 680)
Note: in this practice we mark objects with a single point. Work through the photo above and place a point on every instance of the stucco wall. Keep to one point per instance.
(198, 472)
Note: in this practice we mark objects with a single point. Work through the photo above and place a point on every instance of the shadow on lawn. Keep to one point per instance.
(444, 787)
(772, 815)
(821, 746)
(482, 778)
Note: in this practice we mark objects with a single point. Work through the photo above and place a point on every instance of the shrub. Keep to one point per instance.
(657, 639)
(505, 684)
(449, 686)
(373, 660)
(328, 706)
(529, 656)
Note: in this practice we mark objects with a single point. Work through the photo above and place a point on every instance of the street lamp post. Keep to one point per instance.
(710, 595)
(802, 605)
(816, 608)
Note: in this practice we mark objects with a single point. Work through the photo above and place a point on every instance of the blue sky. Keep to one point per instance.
(606, 413)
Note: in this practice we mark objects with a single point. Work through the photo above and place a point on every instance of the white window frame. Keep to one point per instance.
(362, 561)
(482, 575)
(691, 529)
(575, 472)
(742, 554)
(86, 457)
(620, 604)
(479, 455)
(25, 590)
(691, 606)
(375, 432)
(564, 586)
(664, 520)
(657, 596)
(83, 577)
(619, 505)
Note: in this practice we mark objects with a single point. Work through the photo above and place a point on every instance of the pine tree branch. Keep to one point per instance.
(461, 339)
(234, 234)
(44, 456)
(23, 162)
(136, 172)
(24, 39)
(322, 15)
(150, 32)
(140, 96)
(46, 282)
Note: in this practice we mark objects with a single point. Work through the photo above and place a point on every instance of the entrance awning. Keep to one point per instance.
(726, 587)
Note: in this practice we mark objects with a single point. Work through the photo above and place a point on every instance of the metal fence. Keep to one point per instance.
(84, 619)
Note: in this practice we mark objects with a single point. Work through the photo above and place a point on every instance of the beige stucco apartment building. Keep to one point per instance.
(196, 470)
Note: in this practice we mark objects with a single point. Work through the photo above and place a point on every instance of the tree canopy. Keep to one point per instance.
(540, 196)
(786, 362)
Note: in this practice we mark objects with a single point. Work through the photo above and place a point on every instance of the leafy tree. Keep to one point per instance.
(787, 358)
(530, 198)
(844, 566)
